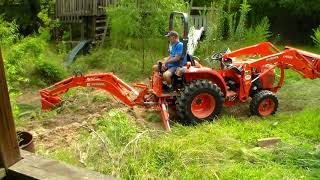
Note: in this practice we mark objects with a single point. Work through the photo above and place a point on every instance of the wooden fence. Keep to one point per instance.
(199, 21)
(65, 8)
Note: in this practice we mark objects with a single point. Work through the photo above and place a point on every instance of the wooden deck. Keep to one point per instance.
(77, 8)
(36, 167)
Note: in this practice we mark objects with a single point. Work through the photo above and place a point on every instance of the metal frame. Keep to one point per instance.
(185, 21)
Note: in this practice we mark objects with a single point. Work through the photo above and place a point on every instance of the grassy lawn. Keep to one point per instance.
(222, 150)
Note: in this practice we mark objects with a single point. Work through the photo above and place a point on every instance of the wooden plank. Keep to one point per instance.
(82, 31)
(205, 22)
(57, 8)
(268, 142)
(2, 173)
(201, 8)
(36, 167)
(9, 148)
(199, 21)
(94, 7)
(82, 7)
(72, 4)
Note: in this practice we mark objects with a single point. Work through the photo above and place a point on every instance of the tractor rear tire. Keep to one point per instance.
(199, 101)
(264, 103)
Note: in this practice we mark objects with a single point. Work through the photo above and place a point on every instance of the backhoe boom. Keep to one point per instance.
(106, 81)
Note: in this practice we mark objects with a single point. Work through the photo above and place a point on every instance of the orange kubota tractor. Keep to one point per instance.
(201, 92)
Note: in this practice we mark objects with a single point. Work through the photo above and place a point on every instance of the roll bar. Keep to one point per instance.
(184, 18)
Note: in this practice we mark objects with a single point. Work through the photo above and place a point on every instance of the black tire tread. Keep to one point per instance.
(257, 98)
(189, 91)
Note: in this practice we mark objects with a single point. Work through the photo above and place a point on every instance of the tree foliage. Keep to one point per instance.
(291, 19)
(229, 28)
(146, 19)
(316, 37)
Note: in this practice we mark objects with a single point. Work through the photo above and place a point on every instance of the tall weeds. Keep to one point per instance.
(316, 37)
(228, 28)
(241, 28)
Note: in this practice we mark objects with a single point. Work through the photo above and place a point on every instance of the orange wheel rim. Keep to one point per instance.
(266, 107)
(203, 105)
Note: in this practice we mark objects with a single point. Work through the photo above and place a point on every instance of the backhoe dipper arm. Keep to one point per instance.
(107, 81)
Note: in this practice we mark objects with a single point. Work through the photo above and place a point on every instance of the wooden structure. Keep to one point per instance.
(89, 15)
(199, 21)
(16, 164)
(9, 148)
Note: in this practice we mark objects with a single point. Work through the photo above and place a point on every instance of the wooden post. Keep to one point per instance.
(82, 29)
(9, 147)
(70, 31)
(94, 26)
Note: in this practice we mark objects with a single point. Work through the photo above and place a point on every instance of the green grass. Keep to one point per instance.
(127, 63)
(225, 149)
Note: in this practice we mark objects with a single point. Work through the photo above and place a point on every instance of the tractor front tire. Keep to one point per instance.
(264, 103)
(199, 101)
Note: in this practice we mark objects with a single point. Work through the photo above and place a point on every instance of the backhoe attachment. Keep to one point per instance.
(50, 97)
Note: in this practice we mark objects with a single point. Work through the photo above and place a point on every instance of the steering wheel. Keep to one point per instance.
(217, 57)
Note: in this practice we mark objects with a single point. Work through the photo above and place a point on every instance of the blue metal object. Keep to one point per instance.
(72, 55)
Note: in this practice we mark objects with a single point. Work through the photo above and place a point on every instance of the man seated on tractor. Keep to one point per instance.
(171, 63)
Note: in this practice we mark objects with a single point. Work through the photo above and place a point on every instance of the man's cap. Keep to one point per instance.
(172, 33)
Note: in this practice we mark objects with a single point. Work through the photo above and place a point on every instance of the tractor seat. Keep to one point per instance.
(180, 70)
(190, 59)
(236, 69)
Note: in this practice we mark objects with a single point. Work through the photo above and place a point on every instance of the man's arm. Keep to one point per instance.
(176, 58)
(178, 55)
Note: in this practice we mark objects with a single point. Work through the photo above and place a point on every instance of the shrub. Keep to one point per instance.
(316, 37)
(8, 32)
(47, 72)
(148, 19)
(229, 29)
(19, 59)
(241, 28)
(216, 19)
(124, 63)
(259, 33)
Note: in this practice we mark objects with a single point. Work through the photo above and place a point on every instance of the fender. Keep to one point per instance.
(206, 73)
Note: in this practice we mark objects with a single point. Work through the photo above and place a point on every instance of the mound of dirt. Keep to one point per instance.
(61, 129)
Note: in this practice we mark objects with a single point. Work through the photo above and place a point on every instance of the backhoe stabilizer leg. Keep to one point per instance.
(163, 106)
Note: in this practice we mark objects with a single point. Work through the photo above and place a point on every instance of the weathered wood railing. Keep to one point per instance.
(199, 21)
(81, 7)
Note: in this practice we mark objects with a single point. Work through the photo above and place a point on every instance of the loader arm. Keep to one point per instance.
(262, 49)
(50, 97)
(305, 63)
